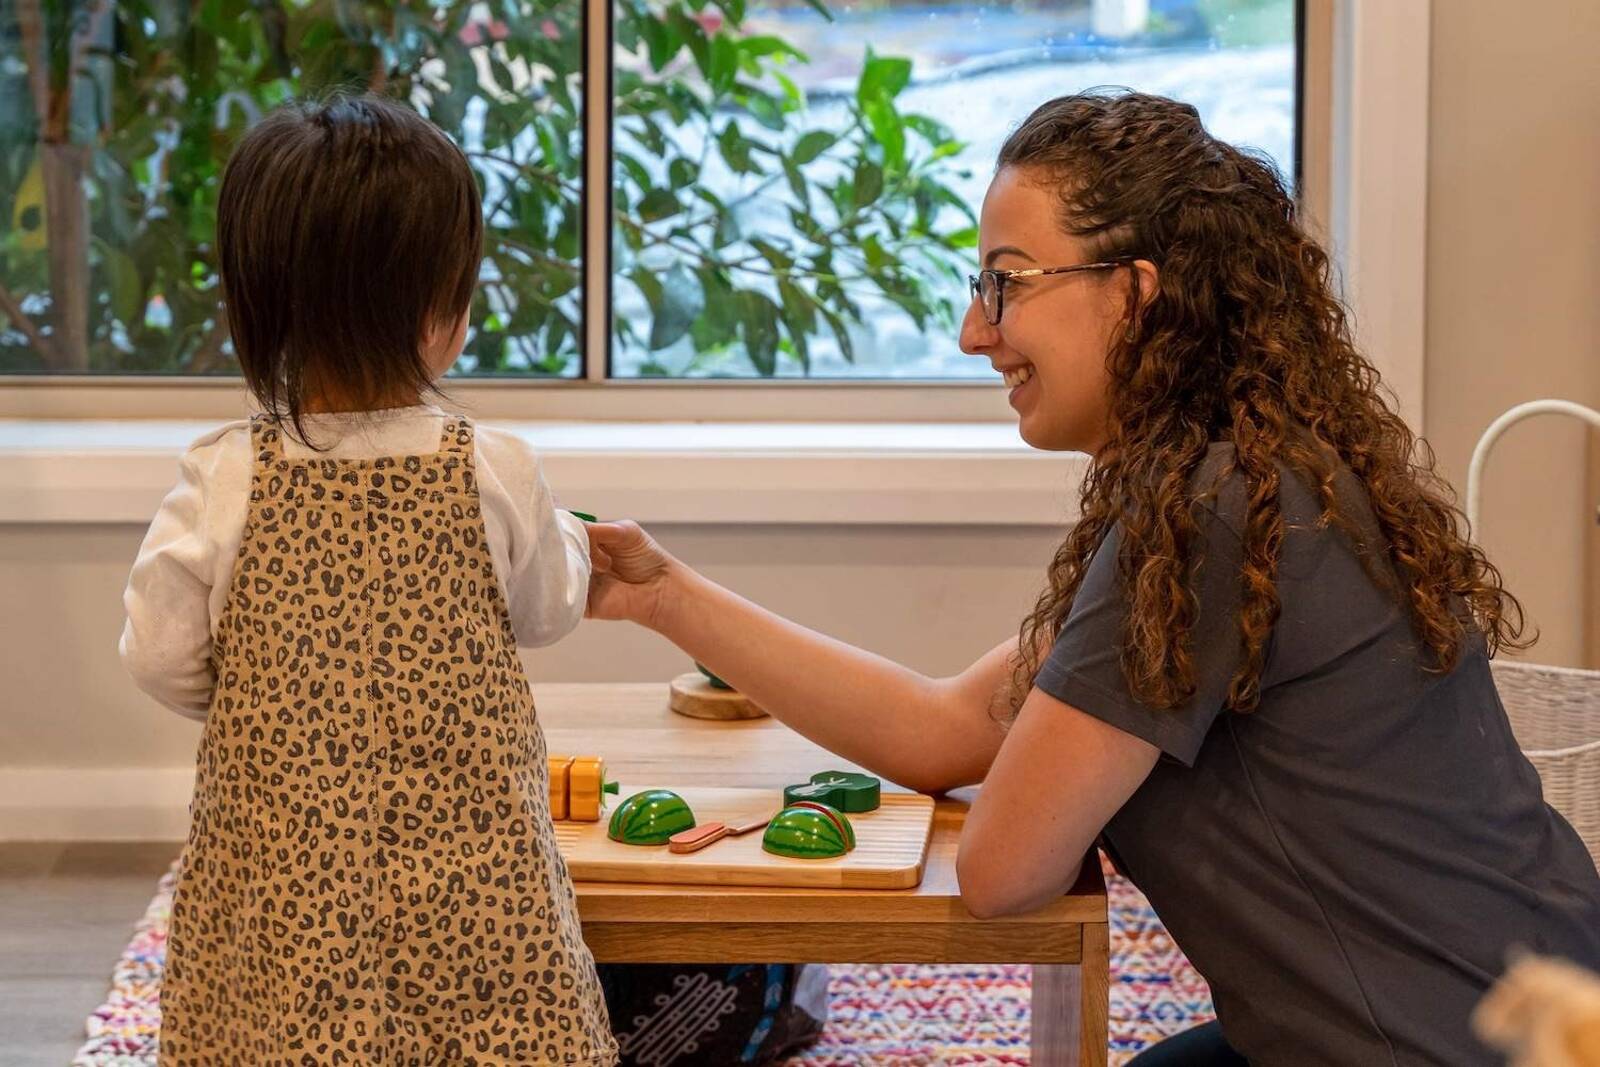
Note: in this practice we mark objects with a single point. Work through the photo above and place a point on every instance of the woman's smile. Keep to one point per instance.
(1018, 380)
(1016, 376)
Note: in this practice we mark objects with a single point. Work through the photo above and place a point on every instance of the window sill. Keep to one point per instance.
(106, 471)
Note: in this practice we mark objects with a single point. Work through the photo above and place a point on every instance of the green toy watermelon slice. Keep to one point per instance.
(650, 818)
(809, 831)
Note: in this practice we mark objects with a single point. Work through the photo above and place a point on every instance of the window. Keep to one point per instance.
(134, 140)
(803, 202)
(793, 182)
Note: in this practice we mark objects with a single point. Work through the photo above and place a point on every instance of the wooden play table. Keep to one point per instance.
(642, 740)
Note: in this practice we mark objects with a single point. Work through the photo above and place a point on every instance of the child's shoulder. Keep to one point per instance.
(220, 451)
(500, 437)
(232, 431)
(509, 452)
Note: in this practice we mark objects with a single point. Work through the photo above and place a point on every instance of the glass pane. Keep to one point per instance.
(108, 179)
(796, 181)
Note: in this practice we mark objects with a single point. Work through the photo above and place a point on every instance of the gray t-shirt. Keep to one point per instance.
(1347, 864)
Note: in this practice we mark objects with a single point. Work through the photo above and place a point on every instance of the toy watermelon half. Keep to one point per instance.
(809, 830)
(650, 817)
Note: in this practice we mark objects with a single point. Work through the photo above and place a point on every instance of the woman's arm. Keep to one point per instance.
(1058, 779)
(928, 734)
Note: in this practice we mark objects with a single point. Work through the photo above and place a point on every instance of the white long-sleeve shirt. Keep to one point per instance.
(180, 582)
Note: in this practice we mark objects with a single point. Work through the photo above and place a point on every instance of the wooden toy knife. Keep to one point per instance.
(698, 837)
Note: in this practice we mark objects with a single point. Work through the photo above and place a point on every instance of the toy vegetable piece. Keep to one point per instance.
(716, 683)
(842, 790)
(560, 773)
(586, 789)
(577, 787)
(809, 830)
(650, 818)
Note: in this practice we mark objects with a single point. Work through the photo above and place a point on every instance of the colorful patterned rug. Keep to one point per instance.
(884, 1015)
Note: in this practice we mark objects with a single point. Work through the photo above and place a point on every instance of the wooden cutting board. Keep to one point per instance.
(891, 846)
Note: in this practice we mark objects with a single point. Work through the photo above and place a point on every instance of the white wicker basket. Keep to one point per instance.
(1555, 713)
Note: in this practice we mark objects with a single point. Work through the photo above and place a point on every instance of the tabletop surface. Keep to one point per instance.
(642, 740)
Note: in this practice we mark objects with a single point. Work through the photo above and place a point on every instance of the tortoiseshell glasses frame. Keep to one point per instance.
(989, 286)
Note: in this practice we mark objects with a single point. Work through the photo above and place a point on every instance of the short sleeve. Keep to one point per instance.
(1084, 666)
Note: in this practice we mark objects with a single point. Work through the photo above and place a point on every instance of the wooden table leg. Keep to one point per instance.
(1094, 1038)
(1055, 1014)
(1071, 1004)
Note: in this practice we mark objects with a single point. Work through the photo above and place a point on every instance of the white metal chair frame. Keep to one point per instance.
(1554, 711)
(1480, 454)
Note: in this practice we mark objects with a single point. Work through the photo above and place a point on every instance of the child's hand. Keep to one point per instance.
(632, 573)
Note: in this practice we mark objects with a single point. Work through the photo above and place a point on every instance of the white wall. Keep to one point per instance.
(1513, 306)
(931, 597)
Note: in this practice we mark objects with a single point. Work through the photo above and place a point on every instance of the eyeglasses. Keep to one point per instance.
(989, 286)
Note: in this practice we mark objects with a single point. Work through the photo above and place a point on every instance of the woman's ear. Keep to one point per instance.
(1148, 279)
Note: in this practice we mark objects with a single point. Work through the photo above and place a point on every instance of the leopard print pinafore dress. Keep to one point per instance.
(371, 874)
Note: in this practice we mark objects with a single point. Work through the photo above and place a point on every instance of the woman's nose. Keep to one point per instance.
(977, 336)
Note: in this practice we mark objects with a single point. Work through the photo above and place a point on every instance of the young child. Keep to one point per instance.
(338, 587)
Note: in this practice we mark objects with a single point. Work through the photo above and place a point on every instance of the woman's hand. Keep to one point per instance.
(631, 573)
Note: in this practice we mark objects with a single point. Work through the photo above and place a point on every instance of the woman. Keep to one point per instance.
(1258, 673)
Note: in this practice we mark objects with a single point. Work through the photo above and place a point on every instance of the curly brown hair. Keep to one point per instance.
(1243, 342)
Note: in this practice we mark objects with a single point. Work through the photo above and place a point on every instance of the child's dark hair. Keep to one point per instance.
(345, 229)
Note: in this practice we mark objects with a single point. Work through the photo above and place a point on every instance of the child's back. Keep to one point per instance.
(371, 873)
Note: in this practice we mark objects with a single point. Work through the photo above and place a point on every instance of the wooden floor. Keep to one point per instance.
(66, 913)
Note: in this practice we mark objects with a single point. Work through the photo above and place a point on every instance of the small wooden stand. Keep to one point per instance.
(694, 696)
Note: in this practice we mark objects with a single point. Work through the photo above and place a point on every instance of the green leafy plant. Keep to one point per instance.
(116, 120)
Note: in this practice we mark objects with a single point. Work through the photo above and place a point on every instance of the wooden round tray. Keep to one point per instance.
(694, 696)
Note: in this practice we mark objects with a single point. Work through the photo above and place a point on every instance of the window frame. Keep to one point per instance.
(1361, 157)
